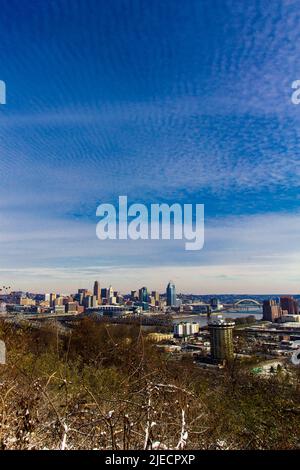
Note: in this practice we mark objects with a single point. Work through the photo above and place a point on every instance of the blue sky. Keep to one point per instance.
(162, 101)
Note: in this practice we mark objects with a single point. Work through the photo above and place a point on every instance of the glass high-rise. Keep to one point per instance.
(143, 294)
(171, 295)
(97, 291)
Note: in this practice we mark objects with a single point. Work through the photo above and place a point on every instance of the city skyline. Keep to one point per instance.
(90, 287)
(162, 104)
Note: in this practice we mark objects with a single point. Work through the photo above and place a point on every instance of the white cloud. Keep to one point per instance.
(242, 254)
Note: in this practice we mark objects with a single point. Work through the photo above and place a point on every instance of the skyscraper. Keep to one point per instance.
(52, 298)
(58, 301)
(110, 292)
(97, 291)
(155, 295)
(103, 293)
(90, 301)
(154, 298)
(143, 294)
(171, 295)
(271, 310)
(221, 342)
(134, 295)
(289, 304)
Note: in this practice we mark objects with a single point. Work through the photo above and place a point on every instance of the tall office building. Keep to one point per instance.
(52, 298)
(143, 294)
(221, 341)
(155, 295)
(289, 305)
(134, 295)
(80, 298)
(58, 301)
(271, 310)
(97, 291)
(171, 294)
(84, 292)
(90, 301)
(110, 292)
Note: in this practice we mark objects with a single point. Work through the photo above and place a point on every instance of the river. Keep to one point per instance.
(202, 319)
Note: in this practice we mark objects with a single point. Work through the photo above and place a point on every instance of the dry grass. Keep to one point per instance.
(107, 388)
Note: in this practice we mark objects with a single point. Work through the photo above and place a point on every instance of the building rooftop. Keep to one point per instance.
(220, 321)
